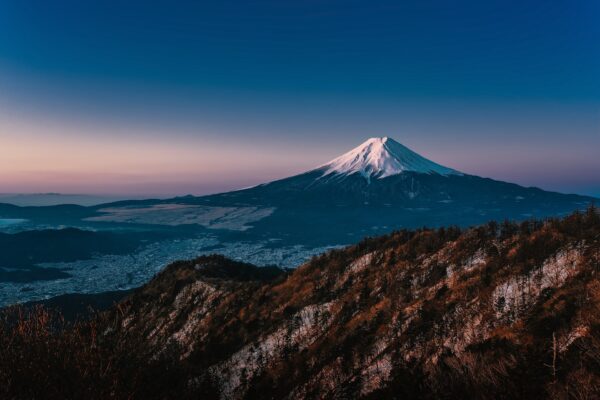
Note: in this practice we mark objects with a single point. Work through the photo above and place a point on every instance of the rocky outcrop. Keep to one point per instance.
(491, 312)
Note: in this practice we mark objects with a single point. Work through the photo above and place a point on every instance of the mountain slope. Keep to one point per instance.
(492, 312)
(380, 186)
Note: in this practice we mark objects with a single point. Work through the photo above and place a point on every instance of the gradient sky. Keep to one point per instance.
(165, 97)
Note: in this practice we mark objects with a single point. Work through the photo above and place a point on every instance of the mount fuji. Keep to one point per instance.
(382, 185)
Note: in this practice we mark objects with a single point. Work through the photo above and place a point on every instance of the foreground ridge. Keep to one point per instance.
(496, 311)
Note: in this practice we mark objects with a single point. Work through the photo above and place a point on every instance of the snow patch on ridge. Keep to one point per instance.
(382, 157)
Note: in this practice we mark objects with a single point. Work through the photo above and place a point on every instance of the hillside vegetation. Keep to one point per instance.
(497, 311)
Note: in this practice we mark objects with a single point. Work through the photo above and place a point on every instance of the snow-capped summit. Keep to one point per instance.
(382, 157)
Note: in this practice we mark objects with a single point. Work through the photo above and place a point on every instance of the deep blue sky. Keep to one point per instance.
(178, 97)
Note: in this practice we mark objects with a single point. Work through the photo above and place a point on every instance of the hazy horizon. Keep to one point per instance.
(144, 187)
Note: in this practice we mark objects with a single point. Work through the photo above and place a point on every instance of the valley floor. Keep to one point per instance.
(118, 272)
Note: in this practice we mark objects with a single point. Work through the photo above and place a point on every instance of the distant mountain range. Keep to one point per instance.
(376, 187)
(51, 199)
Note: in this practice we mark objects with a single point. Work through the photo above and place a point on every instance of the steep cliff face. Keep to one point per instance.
(490, 312)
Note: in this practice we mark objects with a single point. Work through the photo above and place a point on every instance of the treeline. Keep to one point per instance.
(44, 357)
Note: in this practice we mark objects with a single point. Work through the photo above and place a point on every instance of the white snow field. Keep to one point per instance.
(382, 157)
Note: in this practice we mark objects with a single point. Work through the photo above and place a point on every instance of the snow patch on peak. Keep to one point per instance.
(382, 157)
